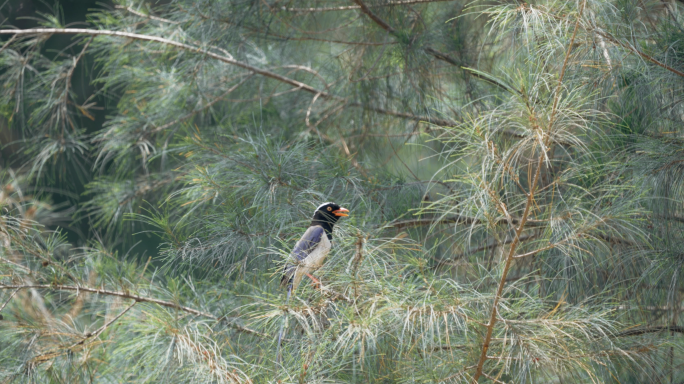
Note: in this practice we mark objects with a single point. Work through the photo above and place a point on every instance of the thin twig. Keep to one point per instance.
(288, 38)
(483, 248)
(7, 44)
(409, 116)
(9, 298)
(205, 107)
(55, 353)
(401, 160)
(103, 327)
(446, 58)
(69, 75)
(565, 64)
(10, 262)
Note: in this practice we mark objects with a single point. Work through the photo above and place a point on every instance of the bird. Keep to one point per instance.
(309, 254)
(310, 251)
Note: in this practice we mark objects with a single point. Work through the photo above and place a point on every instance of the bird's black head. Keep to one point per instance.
(327, 214)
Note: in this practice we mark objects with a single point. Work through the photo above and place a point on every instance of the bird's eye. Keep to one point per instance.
(329, 209)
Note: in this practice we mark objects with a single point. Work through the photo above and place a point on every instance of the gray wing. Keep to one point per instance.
(308, 242)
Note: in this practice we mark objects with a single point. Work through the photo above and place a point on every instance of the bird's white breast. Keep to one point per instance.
(317, 256)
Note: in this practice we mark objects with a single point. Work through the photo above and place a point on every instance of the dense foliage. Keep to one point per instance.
(513, 172)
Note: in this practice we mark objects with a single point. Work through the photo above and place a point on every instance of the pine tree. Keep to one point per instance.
(512, 171)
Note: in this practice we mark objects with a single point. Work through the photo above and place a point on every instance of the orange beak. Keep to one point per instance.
(342, 212)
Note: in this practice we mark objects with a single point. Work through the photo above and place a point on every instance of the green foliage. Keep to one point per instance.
(513, 173)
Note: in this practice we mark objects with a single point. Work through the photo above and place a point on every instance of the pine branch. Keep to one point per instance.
(8, 300)
(135, 36)
(204, 107)
(55, 353)
(643, 331)
(638, 52)
(10, 262)
(409, 116)
(151, 17)
(481, 248)
(352, 7)
(448, 220)
(528, 205)
(137, 298)
(226, 59)
(103, 327)
(499, 291)
(364, 8)
(446, 58)
(429, 50)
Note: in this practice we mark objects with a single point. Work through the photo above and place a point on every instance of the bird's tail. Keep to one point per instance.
(282, 326)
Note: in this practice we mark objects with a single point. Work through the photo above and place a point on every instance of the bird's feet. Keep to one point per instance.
(314, 282)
